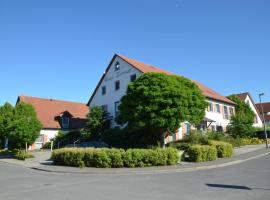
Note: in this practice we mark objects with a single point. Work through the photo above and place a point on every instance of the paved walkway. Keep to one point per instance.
(42, 162)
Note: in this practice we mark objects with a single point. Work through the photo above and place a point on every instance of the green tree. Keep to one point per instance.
(161, 102)
(97, 122)
(241, 124)
(25, 126)
(6, 117)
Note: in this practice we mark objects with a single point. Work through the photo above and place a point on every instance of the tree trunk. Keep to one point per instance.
(6, 143)
(162, 140)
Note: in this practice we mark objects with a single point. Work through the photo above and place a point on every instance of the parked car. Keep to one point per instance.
(261, 134)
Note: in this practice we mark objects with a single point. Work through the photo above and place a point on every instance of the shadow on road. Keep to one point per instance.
(237, 187)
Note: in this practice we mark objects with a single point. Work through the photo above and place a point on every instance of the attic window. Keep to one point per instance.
(65, 122)
(117, 66)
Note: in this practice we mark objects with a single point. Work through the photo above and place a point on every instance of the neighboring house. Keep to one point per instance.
(56, 115)
(266, 111)
(246, 97)
(122, 70)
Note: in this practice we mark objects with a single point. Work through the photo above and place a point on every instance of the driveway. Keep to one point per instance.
(248, 180)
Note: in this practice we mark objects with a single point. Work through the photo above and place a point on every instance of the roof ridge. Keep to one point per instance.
(50, 99)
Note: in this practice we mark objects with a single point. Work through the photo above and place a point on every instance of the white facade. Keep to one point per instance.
(257, 121)
(50, 134)
(112, 97)
(219, 115)
(45, 136)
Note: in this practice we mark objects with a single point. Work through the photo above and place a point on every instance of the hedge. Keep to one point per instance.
(202, 153)
(224, 149)
(114, 158)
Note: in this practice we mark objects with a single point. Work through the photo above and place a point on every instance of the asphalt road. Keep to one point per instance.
(248, 180)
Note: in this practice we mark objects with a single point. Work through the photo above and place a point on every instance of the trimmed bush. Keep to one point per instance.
(202, 153)
(224, 149)
(115, 158)
(22, 155)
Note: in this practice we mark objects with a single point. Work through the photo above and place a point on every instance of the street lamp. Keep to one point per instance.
(265, 133)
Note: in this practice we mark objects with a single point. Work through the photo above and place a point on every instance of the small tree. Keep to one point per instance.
(161, 102)
(97, 122)
(25, 127)
(241, 124)
(6, 117)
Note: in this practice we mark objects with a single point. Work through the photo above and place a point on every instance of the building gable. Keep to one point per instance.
(113, 84)
(246, 97)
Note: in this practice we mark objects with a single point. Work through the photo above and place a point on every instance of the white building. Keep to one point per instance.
(122, 70)
(246, 97)
(56, 115)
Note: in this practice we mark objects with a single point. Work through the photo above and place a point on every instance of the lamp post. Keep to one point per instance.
(265, 133)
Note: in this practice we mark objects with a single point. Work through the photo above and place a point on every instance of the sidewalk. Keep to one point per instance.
(41, 162)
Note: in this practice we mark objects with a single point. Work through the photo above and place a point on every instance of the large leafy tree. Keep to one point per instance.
(161, 102)
(25, 126)
(241, 124)
(6, 117)
(97, 122)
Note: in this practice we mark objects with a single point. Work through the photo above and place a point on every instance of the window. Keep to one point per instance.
(133, 77)
(219, 129)
(255, 120)
(218, 108)
(174, 137)
(187, 128)
(117, 85)
(117, 66)
(40, 138)
(117, 103)
(103, 90)
(65, 122)
(231, 110)
(104, 108)
(211, 107)
(226, 115)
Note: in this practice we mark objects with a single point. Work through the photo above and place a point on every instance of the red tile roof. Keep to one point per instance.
(266, 109)
(49, 109)
(207, 92)
(243, 97)
(266, 106)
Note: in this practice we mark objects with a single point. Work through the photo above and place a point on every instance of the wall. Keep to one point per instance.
(218, 117)
(252, 106)
(112, 96)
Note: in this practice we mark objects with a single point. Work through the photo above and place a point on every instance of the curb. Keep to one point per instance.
(158, 171)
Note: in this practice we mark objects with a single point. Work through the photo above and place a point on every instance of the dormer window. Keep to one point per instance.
(117, 66)
(65, 122)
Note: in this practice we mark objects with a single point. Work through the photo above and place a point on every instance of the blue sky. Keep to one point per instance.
(60, 48)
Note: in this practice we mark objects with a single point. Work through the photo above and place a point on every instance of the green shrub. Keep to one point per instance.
(202, 153)
(218, 136)
(195, 138)
(47, 145)
(224, 150)
(250, 141)
(70, 157)
(115, 158)
(182, 146)
(22, 155)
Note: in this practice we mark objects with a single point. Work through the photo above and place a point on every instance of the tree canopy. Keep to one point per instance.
(6, 117)
(241, 124)
(25, 126)
(161, 102)
(97, 122)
